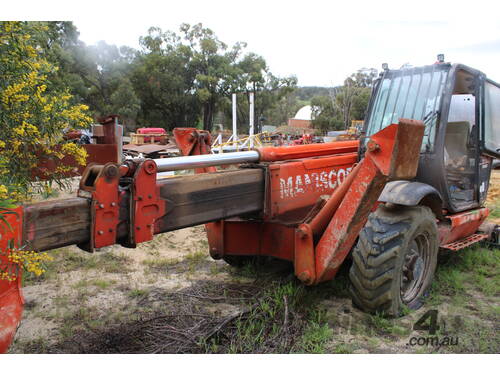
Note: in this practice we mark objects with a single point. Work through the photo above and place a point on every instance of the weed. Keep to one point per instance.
(476, 337)
(160, 265)
(315, 337)
(475, 266)
(61, 301)
(399, 331)
(137, 293)
(373, 343)
(491, 313)
(495, 210)
(405, 310)
(381, 323)
(38, 345)
(488, 285)
(195, 259)
(450, 281)
(113, 263)
(103, 284)
(343, 349)
(215, 269)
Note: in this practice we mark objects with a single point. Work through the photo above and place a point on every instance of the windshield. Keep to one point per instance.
(413, 93)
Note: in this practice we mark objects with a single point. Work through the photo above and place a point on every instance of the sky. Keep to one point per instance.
(320, 42)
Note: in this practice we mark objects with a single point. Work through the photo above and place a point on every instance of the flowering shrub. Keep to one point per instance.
(33, 117)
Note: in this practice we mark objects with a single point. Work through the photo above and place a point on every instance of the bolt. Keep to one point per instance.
(138, 228)
(150, 196)
(372, 146)
(148, 225)
(113, 204)
(150, 167)
(111, 171)
(302, 233)
(100, 232)
(101, 206)
(110, 230)
(139, 198)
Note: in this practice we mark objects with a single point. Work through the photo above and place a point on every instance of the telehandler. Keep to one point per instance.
(415, 182)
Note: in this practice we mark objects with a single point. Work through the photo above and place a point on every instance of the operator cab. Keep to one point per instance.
(460, 108)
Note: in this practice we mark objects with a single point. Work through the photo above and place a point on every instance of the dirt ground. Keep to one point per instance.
(169, 296)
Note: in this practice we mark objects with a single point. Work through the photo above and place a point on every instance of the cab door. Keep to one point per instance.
(490, 129)
(489, 133)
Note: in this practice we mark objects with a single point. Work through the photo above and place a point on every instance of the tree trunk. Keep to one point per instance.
(208, 115)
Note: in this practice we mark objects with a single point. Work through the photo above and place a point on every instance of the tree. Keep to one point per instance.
(283, 109)
(189, 77)
(325, 114)
(93, 74)
(363, 77)
(360, 104)
(163, 81)
(354, 94)
(212, 66)
(124, 102)
(34, 110)
(253, 76)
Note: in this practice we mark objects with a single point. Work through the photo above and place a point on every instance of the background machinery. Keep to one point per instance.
(313, 204)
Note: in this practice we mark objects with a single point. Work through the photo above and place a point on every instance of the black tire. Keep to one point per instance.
(394, 260)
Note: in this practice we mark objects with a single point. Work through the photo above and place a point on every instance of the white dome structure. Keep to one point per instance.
(305, 113)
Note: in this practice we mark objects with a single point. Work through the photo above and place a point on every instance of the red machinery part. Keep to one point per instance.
(458, 230)
(11, 298)
(305, 151)
(103, 151)
(297, 185)
(146, 205)
(102, 183)
(154, 131)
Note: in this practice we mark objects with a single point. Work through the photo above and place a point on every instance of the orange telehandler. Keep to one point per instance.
(391, 199)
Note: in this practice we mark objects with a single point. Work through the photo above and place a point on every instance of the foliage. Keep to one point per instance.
(35, 110)
(306, 93)
(284, 108)
(162, 79)
(34, 113)
(325, 115)
(30, 261)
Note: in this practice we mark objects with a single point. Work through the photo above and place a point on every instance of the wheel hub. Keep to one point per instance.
(413, 271)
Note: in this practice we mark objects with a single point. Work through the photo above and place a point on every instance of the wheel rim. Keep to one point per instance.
(415, 267)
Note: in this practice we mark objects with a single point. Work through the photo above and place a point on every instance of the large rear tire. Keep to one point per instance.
(394, 260)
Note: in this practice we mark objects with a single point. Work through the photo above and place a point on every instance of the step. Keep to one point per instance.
(465, 242)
